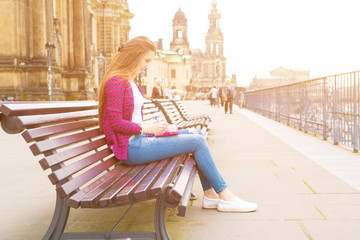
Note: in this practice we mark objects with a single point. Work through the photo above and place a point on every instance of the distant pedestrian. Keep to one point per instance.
(168, 93)
(228, 96)
(242, 100)
(213, 96)
(157, 91)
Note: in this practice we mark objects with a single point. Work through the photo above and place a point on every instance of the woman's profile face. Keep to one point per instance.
(144, 63)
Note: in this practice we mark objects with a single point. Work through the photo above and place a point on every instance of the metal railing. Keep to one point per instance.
(328, 106)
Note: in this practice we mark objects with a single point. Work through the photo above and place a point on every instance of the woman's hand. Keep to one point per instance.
(155, 128)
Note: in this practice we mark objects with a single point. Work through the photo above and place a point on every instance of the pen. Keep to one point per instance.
(156, 119)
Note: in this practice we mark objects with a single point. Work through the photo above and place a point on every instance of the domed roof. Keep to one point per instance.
(180, 17)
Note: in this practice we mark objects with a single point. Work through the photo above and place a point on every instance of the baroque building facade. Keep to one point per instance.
(85, 34)
(279, 76)
(172, 67)
(189, 70)
(209, 67)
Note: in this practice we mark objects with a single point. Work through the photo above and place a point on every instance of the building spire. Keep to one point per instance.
(214, 3)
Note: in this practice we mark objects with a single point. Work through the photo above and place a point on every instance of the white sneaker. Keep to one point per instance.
(238, 205)
(210, 203)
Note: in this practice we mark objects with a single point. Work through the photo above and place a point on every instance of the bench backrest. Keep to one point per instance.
(181, 108)
(68, 136)
(169, 110)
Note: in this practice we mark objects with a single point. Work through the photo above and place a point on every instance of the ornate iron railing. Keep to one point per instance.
(328, 106)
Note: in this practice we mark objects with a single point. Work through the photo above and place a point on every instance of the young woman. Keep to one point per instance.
(120, 118)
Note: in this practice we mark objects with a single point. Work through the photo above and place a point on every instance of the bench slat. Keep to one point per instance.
(142, 191)
(35, 133)
(21, 109)
(70, 186)
(77, 166)
(124, 196)
(50, 144)
(108, 198)
(100, 185)
(184, 202)
(60, 157)
(159, 186)
(25, 121)
(96, 197)
(179, 187)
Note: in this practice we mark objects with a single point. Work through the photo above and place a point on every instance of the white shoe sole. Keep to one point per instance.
(237, 206)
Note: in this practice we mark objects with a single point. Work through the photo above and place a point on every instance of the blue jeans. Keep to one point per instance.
(143, 149)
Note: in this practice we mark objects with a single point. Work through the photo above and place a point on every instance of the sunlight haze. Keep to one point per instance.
(260, 35)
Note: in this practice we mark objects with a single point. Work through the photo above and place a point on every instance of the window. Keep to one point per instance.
(179, 34)
(173, 73)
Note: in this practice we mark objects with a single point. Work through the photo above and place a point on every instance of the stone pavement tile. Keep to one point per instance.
(265, 212)
(308, 199)
(242, 162)
(23, 211)
(333, 229)
(105, 219)
(249, 181)
(340, 211)
(243, 229)
(271, 206)
(24, 219)
(29, 231)
(336, 199)
(329, 185)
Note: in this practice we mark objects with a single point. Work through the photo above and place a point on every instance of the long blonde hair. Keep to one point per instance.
(125, 63)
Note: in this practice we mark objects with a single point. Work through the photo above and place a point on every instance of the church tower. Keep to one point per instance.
(215, 47)
(180, 43)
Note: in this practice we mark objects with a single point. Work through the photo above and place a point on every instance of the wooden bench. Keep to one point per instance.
(174, 116)
(184, 113)
(87, 175)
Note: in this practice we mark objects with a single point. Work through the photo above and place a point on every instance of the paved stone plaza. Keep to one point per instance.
(306, 188)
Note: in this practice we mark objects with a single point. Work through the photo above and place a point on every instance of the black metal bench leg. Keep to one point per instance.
(59, 219)
(160, 219)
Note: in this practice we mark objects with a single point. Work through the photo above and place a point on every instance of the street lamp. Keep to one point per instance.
(101, 61)
(49, 46)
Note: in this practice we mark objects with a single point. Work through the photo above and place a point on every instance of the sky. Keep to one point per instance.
(321, 36)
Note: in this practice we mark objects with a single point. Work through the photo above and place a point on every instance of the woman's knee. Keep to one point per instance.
(200, 139)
